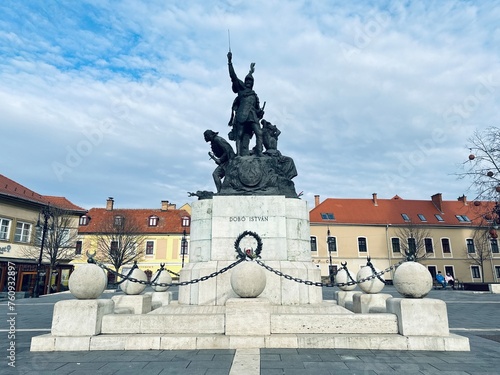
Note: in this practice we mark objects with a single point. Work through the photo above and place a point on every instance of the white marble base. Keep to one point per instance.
(80, 317)
(283, 226)
(139, 304)
(365, 303)
(159, 299)
(248, 317)
(48, 343)
(420, 317)
(342, 297)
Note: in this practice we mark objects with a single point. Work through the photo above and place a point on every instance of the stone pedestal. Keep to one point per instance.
(342, 297)
(283, 226)
(80, 317)
(365, 303)
(420, 317)
(137, 304)
(159, 299)
(248, 317)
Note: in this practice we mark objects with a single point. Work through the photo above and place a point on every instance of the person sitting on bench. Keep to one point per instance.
(440, 279)
(450, 280)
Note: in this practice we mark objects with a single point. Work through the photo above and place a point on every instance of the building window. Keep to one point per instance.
(396, 246)
(470, 246)
(428, 245)
(4, 229)
(432, 271)
(328, 216)
(23, 232)
(445, 245)
(84, 220)
(113, 248)
(497, 271)
(184, 246)
(449, 270)
(118, 221)
(78, 248)
(422, 217)
(150, 247)
(439, 217)
(463, 218)
(476, 272)
(314, 245)
(494, 245)
(332, 244)
(153, 221)
(405, 217)
(185, 221)
(362, 246)
(412, 245)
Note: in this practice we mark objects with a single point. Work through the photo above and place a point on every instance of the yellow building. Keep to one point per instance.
(456, 237)
(159, 236)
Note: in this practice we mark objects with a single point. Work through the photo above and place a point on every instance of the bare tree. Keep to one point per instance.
(59, 242)
(119, 241)
(413, 240)
(479, 250)
(483, 165)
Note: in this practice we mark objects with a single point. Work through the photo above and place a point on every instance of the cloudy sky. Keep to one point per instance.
(104, 98)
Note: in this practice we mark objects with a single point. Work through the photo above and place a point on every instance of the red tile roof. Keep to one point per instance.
(169, 221)
(15, 190)
(389, 211)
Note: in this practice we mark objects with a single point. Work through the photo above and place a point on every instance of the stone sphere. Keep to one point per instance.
(248, 279)
(163, 278)
(343, 277)
(371, 286)
(87, 281)
(412, 280)
(131, 287)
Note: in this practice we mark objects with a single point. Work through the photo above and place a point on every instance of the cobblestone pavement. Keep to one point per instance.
(475, 315)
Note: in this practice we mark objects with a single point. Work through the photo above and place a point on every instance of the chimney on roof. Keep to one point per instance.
(109, 204)
(375, 200)
(463, 199)
(437, 199)
(316, 200)
(166, 205)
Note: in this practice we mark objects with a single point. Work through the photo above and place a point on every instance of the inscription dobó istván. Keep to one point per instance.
(248, 218)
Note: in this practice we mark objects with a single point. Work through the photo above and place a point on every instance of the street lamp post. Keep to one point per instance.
(183, 247)
(46, 213)
(329, 242)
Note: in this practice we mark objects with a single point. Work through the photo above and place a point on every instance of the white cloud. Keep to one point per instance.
(119, 94)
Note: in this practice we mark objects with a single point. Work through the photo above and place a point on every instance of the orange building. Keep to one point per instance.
(162, 234)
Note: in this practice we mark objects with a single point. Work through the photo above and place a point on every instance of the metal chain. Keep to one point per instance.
(330, 285)
(152, 283)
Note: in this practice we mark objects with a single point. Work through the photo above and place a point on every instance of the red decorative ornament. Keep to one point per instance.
(493, 233)
(472, 157)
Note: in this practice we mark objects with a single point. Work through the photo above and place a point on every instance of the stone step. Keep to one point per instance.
(49, 343)
(334, 324)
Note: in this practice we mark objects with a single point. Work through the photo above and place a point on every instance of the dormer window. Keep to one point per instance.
(84, 220)
(422, 217)
(405, 217)
(439, 217)
(118, 220)
(185, 221)
(153, 221)
(328, 216)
